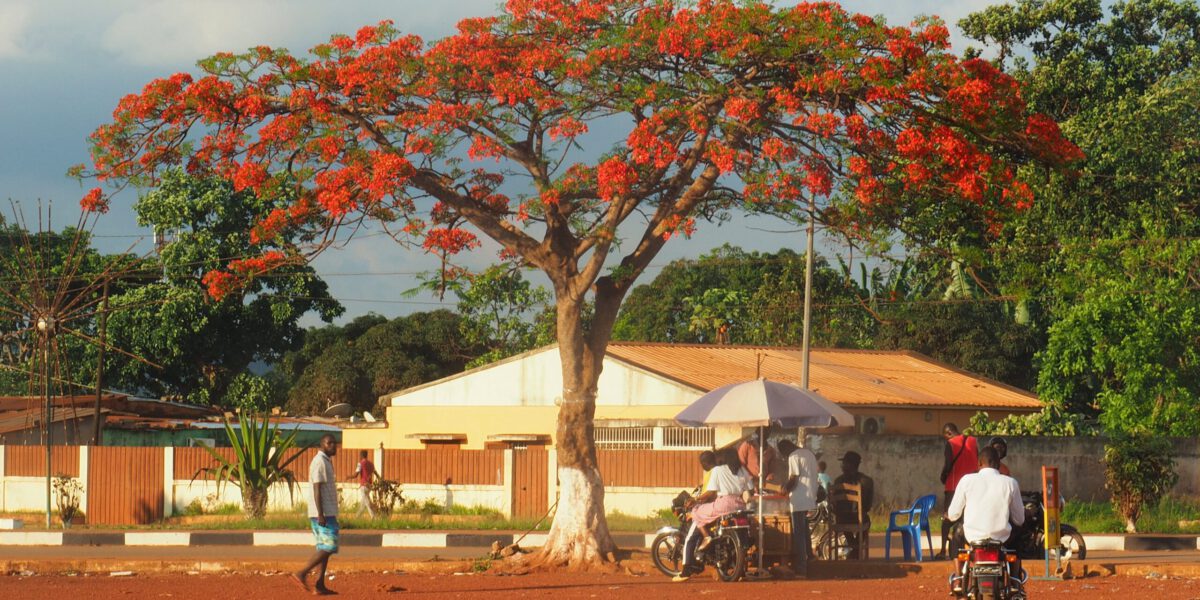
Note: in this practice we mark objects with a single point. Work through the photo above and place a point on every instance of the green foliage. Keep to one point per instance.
(1126, 349)
(1106, 255)
(1138, 472)
(372, 356)
(716, 313)
(1050, 421)
(204, 345)
(259, 461)
(384, 495)
(252, 393)
(981, 337)
(502, 312)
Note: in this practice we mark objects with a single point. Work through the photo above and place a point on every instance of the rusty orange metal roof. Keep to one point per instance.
(848, 377)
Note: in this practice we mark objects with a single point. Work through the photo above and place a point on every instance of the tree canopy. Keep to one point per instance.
(721, 105)
(1109, 253)
(199, 342)
(372, 356)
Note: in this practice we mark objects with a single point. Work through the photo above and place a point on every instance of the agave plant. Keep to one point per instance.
(258, 462)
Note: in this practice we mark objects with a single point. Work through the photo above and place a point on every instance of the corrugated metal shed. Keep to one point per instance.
(849, 377)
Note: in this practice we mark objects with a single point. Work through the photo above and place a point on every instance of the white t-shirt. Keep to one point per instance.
(987, 501)
(725, 482)
(320, 471)
(802, 464)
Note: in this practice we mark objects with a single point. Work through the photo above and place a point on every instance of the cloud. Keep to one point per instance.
(174, 33)
(14, 23)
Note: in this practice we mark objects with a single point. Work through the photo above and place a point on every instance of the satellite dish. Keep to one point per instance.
(354, 418)
(341, 410)
(368, 417)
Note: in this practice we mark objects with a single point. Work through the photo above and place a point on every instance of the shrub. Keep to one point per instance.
(69, 492)
(383, 495)
(1138, 472)
(258, 463)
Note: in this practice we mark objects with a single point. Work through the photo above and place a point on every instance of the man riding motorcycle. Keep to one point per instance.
(989, 504)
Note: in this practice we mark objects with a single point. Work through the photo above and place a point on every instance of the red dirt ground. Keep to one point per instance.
(556, 586)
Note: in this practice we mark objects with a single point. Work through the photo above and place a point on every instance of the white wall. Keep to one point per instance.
(535, 379)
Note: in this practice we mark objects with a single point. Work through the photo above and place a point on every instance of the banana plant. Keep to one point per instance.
(258, 462)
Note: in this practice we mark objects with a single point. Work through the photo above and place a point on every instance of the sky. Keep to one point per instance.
(64, 65)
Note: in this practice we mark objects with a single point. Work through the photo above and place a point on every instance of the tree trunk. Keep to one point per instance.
(254, 502)
(579, 538)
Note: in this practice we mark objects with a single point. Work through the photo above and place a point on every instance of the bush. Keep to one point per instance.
(1138, 472)
(69, 492)
(384, 495)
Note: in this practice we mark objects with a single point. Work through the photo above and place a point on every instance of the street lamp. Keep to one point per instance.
(45, 326)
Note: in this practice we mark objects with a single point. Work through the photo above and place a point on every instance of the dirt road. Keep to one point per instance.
(553, 585)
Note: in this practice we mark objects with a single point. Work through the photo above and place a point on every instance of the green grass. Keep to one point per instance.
(1100, 517)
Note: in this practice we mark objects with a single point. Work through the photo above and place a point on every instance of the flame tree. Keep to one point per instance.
(505, 130)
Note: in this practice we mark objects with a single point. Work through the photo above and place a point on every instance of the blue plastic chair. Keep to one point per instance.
(910, 523)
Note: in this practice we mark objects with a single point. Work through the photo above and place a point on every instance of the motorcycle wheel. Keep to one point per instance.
(1071, 545)
(729, 557)
(666, 552)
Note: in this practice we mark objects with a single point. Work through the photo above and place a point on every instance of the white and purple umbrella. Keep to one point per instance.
(763, 403)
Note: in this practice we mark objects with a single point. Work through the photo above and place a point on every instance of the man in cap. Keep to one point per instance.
(845, 511)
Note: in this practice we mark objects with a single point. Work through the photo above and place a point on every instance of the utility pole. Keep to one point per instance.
(808, 283)
(45, 325)
(100, 365)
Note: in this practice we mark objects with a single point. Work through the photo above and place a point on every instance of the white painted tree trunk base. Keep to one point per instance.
(579, 538)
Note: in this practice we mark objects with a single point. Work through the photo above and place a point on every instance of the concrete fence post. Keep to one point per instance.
(85, 457)
(168, 498)
(551, 476)
(378, 456)
(3, 480)
(509, 481)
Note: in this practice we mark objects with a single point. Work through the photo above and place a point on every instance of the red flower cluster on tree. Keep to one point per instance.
(94, 201)
(779, 104)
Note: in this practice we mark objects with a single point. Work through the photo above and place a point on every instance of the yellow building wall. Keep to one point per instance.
(478, 422)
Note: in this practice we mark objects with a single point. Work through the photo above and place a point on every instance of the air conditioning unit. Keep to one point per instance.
(869, 425)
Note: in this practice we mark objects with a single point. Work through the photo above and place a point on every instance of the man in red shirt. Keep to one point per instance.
(365, 472)
(961, 458)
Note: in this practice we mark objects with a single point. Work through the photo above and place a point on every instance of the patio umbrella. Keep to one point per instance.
(762, 403)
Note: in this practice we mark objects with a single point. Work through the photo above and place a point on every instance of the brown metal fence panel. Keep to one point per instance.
(30, 461)
(189, 461)
(530, 482)
(649, 468)
(125, 485)
(344, 462)
(444, 466)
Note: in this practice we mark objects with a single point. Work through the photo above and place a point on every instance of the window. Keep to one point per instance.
(654, 438)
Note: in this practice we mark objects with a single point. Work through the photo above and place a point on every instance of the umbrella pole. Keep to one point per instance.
(762, 442)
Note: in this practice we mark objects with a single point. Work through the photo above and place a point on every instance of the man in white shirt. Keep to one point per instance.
(988, 503)
(801, 484)
(322, 513)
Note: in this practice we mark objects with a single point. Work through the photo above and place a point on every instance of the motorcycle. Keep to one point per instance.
(1030, 542)
(728, 553)
(1029, 539)
(988, 572)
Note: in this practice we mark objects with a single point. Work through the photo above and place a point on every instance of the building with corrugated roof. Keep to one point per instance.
(513, 402)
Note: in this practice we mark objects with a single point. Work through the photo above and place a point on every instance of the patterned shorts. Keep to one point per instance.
(327, 536)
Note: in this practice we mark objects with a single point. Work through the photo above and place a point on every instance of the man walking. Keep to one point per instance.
(801, 485)
(961, 459)
(365, 473)
(322, 513)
